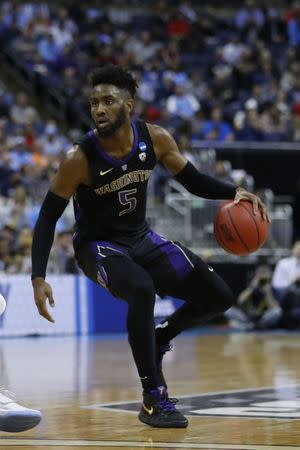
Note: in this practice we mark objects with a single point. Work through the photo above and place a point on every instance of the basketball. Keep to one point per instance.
(238, 230)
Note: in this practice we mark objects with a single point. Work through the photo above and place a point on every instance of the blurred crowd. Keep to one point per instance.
(30, 150)
(203, 72)
(210, 73)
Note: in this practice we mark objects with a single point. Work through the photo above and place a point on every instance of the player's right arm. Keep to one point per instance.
(72, 171)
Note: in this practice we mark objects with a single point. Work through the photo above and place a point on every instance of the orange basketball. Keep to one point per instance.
(238, 230)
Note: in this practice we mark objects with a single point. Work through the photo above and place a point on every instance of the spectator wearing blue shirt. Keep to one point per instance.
(294, 27)
(216, 129)
(20, 156)
(181, 104)
(48, 49)
(250, 15)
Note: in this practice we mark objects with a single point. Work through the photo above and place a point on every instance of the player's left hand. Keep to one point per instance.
(257, 203)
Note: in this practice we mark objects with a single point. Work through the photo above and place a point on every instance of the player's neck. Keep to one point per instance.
(122, 139)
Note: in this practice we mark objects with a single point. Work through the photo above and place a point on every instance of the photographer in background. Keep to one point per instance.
(290, 304)
(287, 270)
(256, 307)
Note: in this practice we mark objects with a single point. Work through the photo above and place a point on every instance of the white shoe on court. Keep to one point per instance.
(14, 417)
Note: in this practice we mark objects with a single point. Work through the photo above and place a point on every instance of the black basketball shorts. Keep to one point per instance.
(167, 262)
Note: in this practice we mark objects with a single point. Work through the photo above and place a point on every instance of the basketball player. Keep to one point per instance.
(106, 173)
(14, 417)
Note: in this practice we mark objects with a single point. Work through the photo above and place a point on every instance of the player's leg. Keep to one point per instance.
(129, 281)
(206, 295)
(14, 417)
(112, 267)
(177, 271)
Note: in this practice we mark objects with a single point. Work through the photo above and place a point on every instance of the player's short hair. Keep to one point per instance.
(116, 75)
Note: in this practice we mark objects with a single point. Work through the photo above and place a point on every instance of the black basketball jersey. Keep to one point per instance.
(113, 207)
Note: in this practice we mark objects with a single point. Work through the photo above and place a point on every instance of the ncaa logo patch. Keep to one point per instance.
(142, 156)
(280, 403)
(142, 146)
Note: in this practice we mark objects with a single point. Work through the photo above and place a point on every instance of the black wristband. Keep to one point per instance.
(43, 235)
(204, 185)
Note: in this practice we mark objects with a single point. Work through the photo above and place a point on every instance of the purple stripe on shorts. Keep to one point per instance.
(102, 249)
(177, 257)
(102, 277)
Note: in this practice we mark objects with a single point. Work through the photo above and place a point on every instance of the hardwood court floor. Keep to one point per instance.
(240, 391)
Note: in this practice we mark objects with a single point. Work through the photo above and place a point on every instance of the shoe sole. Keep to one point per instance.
(147, 421)
(14, 422)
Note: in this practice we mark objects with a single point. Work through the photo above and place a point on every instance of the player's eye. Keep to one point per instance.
(108, 101)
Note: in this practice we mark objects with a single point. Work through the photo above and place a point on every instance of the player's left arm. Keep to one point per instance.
(194, 181)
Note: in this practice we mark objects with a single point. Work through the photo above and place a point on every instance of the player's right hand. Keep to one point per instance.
(42, 292)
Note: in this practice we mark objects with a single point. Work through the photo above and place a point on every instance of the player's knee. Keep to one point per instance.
(144, 288)
(141, 289)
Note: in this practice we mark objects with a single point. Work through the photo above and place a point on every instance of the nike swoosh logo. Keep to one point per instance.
(210, 268)
(104, 172)
(149, 411)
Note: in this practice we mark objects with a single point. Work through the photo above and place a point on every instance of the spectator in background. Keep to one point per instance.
(4, 104)
(223, 170)
(61, 34)
(296, 211)
(233, 50)
(274, 31)
(48, 49)
(179, 26)
(293, 92)
(294, 26)
(256, 306)
(182, 105)
(6, 257)
(19, 153)
(243, 73)
(8, 176)
(23, 250)
(184, 144)
(38, 156)
(287, 270)
(18, 207)
(217, 129)
(62, 258)
(274, 121)
(290, 304)
(250, 17)
(247, 123)
(294, 129)
(30, 10)
(21, 111)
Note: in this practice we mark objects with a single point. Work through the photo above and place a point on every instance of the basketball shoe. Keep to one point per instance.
(158, 410)
(14, 417)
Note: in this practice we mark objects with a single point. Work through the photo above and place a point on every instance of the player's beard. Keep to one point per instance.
(114, 126)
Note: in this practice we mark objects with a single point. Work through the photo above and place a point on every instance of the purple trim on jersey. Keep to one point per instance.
(177, 258)
(115, 161)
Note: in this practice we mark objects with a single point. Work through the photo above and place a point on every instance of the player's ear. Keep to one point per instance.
(129, 104)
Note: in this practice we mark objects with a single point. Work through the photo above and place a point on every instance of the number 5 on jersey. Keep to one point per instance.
(126, 199)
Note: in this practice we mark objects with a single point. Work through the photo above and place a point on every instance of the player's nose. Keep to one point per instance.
(101, 111)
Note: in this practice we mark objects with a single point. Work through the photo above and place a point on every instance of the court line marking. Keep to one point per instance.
(135, 444)
(202, 394)
(106, 406)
